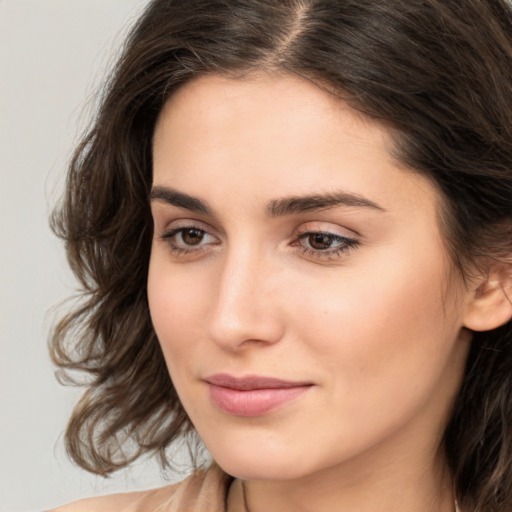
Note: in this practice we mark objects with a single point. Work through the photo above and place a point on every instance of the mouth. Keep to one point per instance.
(252, 395)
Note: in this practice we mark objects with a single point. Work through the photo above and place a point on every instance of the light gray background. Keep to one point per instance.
(53, 54)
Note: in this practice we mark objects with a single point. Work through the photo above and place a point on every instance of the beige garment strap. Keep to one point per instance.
(236, 497)
(203, 491)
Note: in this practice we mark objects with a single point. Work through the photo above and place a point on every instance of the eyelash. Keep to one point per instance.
(180, 251)
(345, 244)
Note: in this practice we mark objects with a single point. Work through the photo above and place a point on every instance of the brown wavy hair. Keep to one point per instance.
(437, 72)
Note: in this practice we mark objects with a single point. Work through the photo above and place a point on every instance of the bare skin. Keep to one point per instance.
(352, 298)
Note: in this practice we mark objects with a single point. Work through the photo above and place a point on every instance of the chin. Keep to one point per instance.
(262, 469)
(257, 460)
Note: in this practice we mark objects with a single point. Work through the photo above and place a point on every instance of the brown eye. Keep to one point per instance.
(321, 241)
(324, 244)
(189, 239)
(192, 236)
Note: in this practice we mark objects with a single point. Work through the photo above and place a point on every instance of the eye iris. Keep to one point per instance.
(320, 241)
(192, 236)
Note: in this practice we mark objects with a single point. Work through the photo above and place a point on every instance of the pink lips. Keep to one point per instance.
(252, 395)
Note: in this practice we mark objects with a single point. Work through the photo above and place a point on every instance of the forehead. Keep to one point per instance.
(275, 135)
(283, 101)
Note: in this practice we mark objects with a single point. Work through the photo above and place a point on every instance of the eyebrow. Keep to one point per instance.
(276, 207)
(301, 204)
(179, 199)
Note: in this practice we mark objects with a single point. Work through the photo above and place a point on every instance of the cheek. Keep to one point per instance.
(178, 304)
(398, 295)
(380, 333)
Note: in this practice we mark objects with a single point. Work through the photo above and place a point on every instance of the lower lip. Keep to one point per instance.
(254, 402)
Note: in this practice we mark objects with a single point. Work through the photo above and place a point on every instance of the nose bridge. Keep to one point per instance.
(245, 304)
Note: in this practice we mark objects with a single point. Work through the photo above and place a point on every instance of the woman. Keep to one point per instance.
(292, 222)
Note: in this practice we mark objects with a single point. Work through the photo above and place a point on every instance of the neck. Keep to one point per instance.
(360, 486)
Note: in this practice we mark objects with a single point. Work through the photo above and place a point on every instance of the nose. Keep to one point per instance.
(246, 309)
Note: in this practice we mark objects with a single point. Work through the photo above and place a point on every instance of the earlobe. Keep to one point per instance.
(491, 304)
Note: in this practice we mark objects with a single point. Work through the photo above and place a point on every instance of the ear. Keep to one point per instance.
(491, 303)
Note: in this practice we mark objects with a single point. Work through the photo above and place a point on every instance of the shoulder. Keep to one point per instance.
(203, 490)
(124, 502)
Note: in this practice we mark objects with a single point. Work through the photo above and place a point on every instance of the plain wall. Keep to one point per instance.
(53, 54)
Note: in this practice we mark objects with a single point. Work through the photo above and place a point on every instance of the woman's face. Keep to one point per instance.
(298, 282)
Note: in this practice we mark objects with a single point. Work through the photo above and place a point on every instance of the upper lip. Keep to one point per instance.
(251, 382)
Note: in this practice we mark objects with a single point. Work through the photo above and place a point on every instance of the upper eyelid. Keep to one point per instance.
(172, 231)
(345, 239)
(331, 230)
(185, 223)
(326, 233)
(175, 231)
